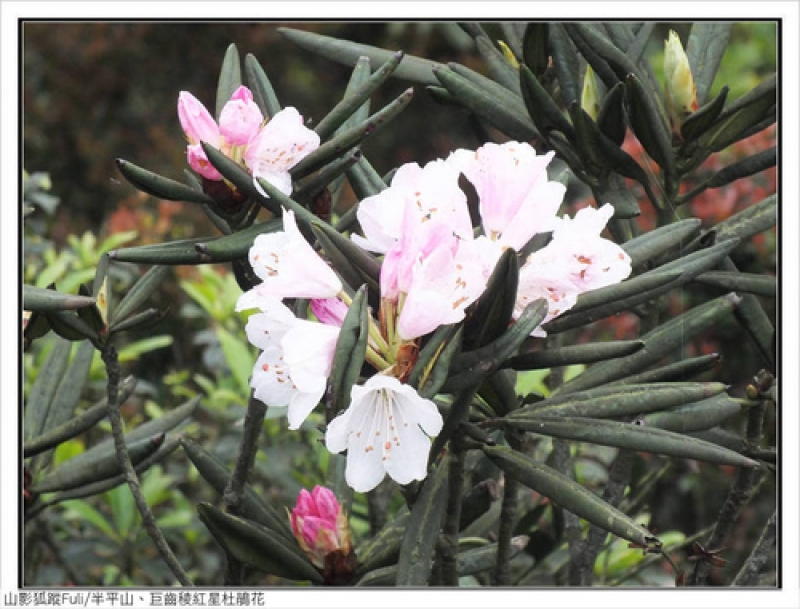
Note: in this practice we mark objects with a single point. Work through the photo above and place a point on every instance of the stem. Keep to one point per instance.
(572, 524)
(508, 519)
(740, 493)
(448, 554)
(234, 491)
(109, 355)
(748, 574)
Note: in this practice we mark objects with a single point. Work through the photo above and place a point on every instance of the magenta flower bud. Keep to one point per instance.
(320, 526)
(329, 311)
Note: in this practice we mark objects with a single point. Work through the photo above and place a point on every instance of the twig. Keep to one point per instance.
(748, 574)
(109, 356)
(508, 509)
(232, 497)
(448, 549)
(740, 493)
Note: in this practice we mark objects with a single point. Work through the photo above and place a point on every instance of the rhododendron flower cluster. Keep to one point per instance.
(435, 265)
(267, 150)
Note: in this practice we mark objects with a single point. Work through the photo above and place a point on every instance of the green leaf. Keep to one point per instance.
(565, 61)
(586, 353)
(764, 285)
(68, 325)
(746, 167)
(348, 53)
(500, 69)
(316, 183)
(698, 122)
(542, 109)
(491, 314)
(659, 342)
(618, 400)
(238, 244)
(415, 561)
(230, 78)
(217, 475)
(237, 175)
(356, 266)
(631, 436)
(650, 245)
(611, 119)
(506, 118)
(37, 405)
(159, 186)
(430, 372)
(237, 356)
(648, 125)
(40, 299)
(696, 416)
(94, 465)
(260, 85)
(683, 370)
(570, 495)
(70, 388)
(600, 66)
(77, 425)
(78, 509)
(534, 47)
(139, 293)
(354, 99)
(182, 251)
(348, 356)
(750, 221)
(384, 548)
(256, 546)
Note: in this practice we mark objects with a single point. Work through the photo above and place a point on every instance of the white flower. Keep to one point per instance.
(288, 267)
(295, 362)
(385, 430)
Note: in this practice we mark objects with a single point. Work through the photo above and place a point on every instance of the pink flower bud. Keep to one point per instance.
(320, 525)
(240, 118)
(196, 121)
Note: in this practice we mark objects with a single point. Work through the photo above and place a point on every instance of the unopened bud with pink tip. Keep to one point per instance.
(320, 526)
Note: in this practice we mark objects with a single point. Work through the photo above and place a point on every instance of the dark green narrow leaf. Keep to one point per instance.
(68, 325)
(217, 475)
(626, 206)
(338, 246)
(504, 97)
(139, 321)
(698, 122)
(73, 427)
(70, 388)
(94, 465)
(506, 119)
(750, 221)
(570, 495)
(347, 53)
(384, 548)
(534, 47)
(419, 542)
(697, 416)
(639, 43)
(364, 179)
(654, 243)
(705, 47)
(491, 313)
(752, 283)
(159, 186)
(354, 99)
(238, 244)
(237, 175)
(316, 183)
(230, 78)
(257, 546)
(44, 388)
(348, 357)
(617, 60)
(746, 167)
(565, 61)
(611, 119)
(261, 87)
(97, 488)
(659, 343)
(42, 300)
(612, 299)
(593, 58)
(181, 251)
(351, 137)
(699, 262)
(587, 353)
(544, 112)
(499, 69)
(91, 315)
(139, 293)
(683, 370)
(619, 400)
(631, 436)
(648, 125)
(162, 424)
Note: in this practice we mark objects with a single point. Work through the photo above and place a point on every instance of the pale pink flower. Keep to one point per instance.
(517, 200)
(240, 118)
(385, 430)
(320, 525)
(282, 143)
(289, 267)
(330, 311)
(295, 361)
